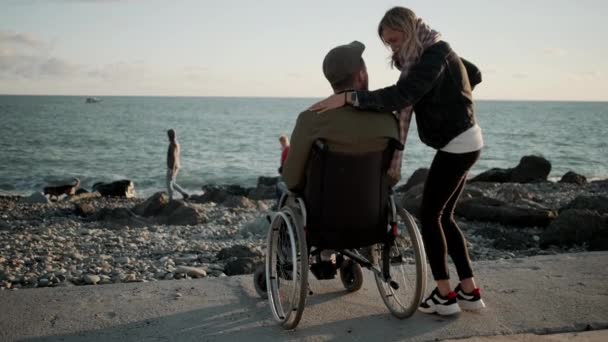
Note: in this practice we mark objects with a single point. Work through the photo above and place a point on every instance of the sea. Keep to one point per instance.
(46, 140)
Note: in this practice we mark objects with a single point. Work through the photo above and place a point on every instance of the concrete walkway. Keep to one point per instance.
(540, 295)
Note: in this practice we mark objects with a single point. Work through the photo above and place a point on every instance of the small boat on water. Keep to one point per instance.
(92, 100)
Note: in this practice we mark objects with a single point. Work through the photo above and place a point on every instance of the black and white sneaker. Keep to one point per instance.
(436, 303)
(469, 301)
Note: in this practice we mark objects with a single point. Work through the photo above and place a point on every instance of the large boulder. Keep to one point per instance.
(411, 200)
(573, 178)
(177, 212)
(511, 193)
(268, 181)
(236, 190)
(596, 203)
(238, 251)
(120, 217)
(418, 177)
(577, 226)
(240, 259)
(153, 205)
(531, 169)
(509, 239)
(242, 266)
(121, 188)
(494, 175)
(84, 209)
(219, 193)
(263, 192)
(493, 210)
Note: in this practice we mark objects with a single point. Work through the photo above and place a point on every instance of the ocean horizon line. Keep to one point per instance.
(280, 97)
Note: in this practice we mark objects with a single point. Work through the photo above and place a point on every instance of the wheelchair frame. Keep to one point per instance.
(294, 219)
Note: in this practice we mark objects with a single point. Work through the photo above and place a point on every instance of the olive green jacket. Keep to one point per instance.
(345, 129)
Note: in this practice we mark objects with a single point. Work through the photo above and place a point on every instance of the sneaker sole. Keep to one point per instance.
(472, 306)
(442, 310)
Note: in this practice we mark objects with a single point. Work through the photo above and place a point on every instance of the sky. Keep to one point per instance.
(526, 49)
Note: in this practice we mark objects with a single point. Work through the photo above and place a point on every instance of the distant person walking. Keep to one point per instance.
(281, 187)
(173, 164)
(284, 141)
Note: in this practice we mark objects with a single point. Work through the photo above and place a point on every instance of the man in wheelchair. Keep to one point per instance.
(344, 131)
(340, 200)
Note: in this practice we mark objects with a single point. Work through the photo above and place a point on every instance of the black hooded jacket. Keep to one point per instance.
(439, 87)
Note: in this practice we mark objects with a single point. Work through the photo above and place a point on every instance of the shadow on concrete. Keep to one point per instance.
(251, 320)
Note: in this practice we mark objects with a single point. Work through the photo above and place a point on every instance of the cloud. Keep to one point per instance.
(120, 71)
(196, 73)
(557, 52)
(520, 75)
(16, 39)
(14, 66)
(24, 56)
(295, 75)
(586, 76)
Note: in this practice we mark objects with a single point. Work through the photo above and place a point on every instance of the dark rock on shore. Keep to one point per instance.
(265, 189)
(574, 178)
(595, 203)
(496, 175)
(177, 212)
(530, 169)
(411, 200)
(84, 209)
(238, 251)
(242, 266)
(241, 259)
(578, 226)
(494, 210)
(268, 181)
(418, 177)
(121, 188)
(119, 217)
(152, 206)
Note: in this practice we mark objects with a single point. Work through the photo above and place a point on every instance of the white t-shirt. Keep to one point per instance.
(468, 141)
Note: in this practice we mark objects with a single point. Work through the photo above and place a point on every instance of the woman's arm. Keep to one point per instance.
(421, 78)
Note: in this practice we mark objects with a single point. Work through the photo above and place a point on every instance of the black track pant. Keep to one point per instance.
(441, 235)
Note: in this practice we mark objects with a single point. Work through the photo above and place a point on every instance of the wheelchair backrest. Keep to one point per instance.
(347, 197)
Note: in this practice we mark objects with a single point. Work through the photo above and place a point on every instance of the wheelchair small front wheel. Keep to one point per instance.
(351, 275)
(259, 281)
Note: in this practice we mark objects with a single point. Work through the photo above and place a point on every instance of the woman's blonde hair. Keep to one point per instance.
(403, 20)
(284, 138)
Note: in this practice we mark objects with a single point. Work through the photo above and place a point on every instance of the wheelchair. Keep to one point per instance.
(346, 207)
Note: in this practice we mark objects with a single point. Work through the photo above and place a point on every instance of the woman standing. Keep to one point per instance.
(433, 83)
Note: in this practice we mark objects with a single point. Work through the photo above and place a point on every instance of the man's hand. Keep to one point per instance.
(332, 102)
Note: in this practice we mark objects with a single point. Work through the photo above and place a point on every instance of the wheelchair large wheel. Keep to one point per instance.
(287, 268)
(405, 260)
